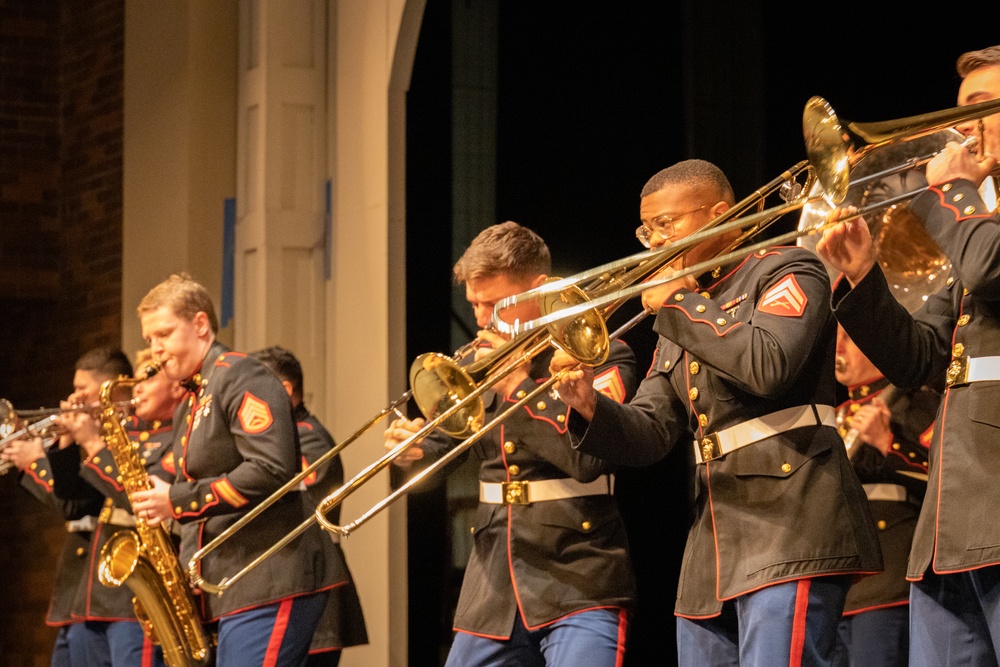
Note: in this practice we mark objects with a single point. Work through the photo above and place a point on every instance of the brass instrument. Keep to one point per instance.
(833, 153)
(144, 560)
(8, 425)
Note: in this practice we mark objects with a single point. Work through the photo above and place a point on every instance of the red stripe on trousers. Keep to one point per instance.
(147, 651)
(799, 623)
(278, 634)
(622, 633)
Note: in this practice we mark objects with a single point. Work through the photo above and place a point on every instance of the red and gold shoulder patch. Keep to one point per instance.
(255, 414)
(311, 477)
(785, 299)
(611, 385)
(168, 463)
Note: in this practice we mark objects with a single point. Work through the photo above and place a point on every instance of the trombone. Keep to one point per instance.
(834, 148)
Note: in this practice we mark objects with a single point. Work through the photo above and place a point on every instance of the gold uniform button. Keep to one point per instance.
(52, 482)
(156, 425)
(209, 498)
(43, 473)
(695, 368)
(721, 321)
(855, 407)
(108, 502)
(958, 197)
(194, 504)
(969, 210)
(881, 524)
(177, 510)
(706, 294)
(184, 440)
(700, 308)
(678, 297)
(585, 525)
(693, 393)
(189, 419)
(786, 467)
(958, 350)
(508, 447)
(965, 291)
(703, 420)
(80, 551)
(521, 394)
(120, 479)
(33, 466)
(144, 436)
(560, 418)
(108, 469)
(97, 460)
(895, 446)
(963, 320)
(472, 529)
(913, 455)
(950, 281)
(514, 469)
(142, 461)
(541, 405)
(865, 390)
(666, 365)
(946, 187)
(221, 357)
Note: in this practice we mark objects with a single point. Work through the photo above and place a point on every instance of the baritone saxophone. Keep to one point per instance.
(144, 559)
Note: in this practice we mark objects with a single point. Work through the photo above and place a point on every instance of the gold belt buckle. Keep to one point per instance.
(514, 493)
(711, 448)
(105, 515)
(958, 372)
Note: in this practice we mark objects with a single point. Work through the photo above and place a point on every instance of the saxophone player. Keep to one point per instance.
(237, 447)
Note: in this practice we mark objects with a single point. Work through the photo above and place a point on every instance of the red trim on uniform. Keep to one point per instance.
(304, 425)
(479, 634)
(799, 623)
(221, 361)
(254, 414)
(610, 384)
(112, 481)
(90, 570)
(278, 634)
(622, 634)
(940, 464)
(147, 651)
(943, 201)
(560, 428)
(38, 480)
(700, 321)
(874, 607)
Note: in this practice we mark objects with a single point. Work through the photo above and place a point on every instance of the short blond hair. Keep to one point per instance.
(186, 297)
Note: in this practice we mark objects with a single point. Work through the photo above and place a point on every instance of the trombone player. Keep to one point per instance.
(744, 370)
(549, 578)
(953, 564)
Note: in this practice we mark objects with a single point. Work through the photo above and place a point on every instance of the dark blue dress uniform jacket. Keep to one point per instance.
(905, 465)
(343, 623)
(756, 339)
(954, 532)
(236, 444)
(547, 559)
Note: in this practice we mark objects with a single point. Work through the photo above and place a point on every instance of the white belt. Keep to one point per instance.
(536, 491)
(965, 369)
(116, 516)
(85, 524)
(720, 443)
(891, 492)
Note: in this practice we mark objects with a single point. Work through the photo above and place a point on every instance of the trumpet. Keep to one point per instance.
(833, 152)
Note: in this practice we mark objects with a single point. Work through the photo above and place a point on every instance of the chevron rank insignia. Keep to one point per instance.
(255, 414)
(785, 299)
(610, 384)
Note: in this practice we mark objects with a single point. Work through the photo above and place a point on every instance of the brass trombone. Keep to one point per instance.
(833, 152)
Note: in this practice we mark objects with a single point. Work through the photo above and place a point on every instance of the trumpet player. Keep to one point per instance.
(77, 501)
(955, 338)
(238, 446)
(744, 369)
(886, 432)
(549, 579)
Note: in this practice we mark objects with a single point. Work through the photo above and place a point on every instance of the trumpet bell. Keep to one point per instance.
(438, 383)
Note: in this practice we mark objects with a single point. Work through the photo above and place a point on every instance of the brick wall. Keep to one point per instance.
(60, 253)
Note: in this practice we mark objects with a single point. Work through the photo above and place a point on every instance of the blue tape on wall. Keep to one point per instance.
(328, 232)
(228, 259)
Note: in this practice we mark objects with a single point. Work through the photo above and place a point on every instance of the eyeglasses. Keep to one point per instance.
(663, 225)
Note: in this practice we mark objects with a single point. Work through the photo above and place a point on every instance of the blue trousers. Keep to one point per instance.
(955, 619)
(794, 623)
(593, 638)
(275, 635)
(877, 638)
(69, 649)
(119, 644)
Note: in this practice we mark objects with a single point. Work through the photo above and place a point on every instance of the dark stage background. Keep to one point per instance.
(591, 99)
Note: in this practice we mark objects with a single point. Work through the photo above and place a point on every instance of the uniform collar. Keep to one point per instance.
(202, 376)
